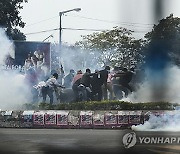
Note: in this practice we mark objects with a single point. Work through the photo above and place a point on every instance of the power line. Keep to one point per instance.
(44, 31)
(107, 21)
(78, 29)
(84, 29)
(114, 22)
(41, 21)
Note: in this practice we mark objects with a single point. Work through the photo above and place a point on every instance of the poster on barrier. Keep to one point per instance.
(7, 115)
(27, 116)
(98, 118)
(123, 117)
(86, 118)
(134, 117)
(146, 115)
(62, 118)
(73, 118)
(50, 118)
(111, 118)
(38, 118)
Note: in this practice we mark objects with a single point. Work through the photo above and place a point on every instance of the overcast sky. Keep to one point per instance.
(137, 15)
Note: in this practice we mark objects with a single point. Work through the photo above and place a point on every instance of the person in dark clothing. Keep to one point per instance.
(96, 83)
(124, 79)
(104, 76)
(86, 78)
(68, 79)
(86, 82)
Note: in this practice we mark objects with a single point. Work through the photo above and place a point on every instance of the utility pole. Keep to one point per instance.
(60, 24)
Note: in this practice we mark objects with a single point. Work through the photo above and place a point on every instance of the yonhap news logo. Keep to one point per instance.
(129, 140)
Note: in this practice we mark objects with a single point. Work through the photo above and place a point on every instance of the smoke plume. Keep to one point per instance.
(165, 122)
(170, 120)
(153, 91)
(13, 91)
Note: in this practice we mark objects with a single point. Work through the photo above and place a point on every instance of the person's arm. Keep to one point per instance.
(119, 74)
(56, 83)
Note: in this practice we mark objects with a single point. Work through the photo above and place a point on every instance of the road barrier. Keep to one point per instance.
(75, 119)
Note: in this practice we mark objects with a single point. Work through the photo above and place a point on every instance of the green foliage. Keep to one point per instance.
(104, 105)
(167, 31)
(10, 19)
(117, 47)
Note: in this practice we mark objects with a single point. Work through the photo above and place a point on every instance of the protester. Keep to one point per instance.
(125, 79)
(75, 83)
(121, 82)
(60, 72)
(68, 79)
(109, 87)
(86, 82)
(49, 87)
(86, 79)
(104, 76)
(96, 83)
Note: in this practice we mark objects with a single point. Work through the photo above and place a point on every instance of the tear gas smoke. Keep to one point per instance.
(74, 58)
(6, 46)
(165, 122)
(13, 91)
(170, 87)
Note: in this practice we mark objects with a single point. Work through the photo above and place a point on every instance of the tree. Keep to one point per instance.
(116, 47)
(163, 41)
(10, 19)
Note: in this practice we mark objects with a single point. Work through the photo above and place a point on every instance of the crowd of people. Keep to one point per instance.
(105, 84)
(108, 83)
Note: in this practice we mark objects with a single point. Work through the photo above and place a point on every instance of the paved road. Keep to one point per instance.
(52, 141)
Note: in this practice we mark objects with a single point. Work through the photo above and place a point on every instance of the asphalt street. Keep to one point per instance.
(52, 141)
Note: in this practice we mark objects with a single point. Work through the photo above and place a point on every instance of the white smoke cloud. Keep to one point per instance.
(74, 58)
(13, 91)
(168, 87)
(6, 46)
(165, 122)
(169, 121)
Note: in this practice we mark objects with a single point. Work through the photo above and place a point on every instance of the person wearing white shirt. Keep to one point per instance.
(49, 87)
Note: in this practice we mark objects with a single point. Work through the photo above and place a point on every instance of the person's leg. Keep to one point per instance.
(93, 94)
(44, 93)
(99, 91)
(110, 89)
(50, 94)
(124, 84)
(104, 92)
(124, 89)
(75, 90)
(117, 91)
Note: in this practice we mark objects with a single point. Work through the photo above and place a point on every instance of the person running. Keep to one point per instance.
(104, 77)
(96, 83)
(49, 87)
(123, 80)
